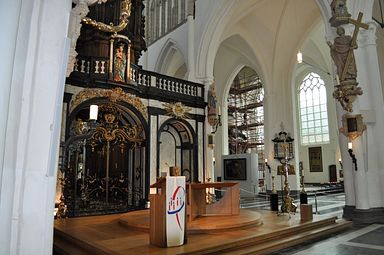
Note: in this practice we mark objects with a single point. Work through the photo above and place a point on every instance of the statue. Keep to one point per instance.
(340, 15)
(119, 64)
(342, 54)
(340, 49)
(212, 110)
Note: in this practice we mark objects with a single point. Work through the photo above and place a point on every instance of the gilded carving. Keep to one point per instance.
(114, 95)
(177, 110)
(124, 15)
(353, 126)
(110, 131)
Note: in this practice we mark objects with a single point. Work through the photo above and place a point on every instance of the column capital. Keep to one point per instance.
(208, 80)
(368, 36)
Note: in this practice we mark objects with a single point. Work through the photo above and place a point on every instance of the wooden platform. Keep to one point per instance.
(106, 235)
(139, 220)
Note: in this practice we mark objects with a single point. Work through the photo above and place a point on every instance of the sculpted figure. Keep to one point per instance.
(339, 52)
(119, 64)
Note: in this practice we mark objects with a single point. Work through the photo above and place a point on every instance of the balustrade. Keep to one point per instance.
(96, 68)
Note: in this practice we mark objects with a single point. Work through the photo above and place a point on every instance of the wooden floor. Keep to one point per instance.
(139, 220)
(107, 235)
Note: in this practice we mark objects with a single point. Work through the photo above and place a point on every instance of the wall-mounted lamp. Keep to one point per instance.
(299, 56)
(300, 60)
(93, 111)
(341, 163)
(352, 155)
(268, 166)
(216, 123)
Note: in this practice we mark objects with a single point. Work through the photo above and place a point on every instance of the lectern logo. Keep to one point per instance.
(177, 203)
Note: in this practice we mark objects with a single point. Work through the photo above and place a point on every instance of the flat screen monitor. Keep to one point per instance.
(235, 169)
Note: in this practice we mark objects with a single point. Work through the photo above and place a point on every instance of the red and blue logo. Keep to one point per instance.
(177, 203)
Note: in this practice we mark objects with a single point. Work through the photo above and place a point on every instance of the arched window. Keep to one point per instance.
(163, 17)
(313, 110)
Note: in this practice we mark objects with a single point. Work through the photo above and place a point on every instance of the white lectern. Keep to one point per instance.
(167, 212)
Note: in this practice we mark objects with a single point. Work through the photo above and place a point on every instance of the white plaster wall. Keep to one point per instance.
(317, 59)
(33, 123)
(179, 39)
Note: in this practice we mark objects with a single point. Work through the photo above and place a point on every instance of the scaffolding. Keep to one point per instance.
(246, 116)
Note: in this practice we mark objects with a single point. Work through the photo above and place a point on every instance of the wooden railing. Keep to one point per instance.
(167, 83)
(92, 68)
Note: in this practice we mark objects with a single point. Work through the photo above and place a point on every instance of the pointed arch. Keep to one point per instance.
(171, 60)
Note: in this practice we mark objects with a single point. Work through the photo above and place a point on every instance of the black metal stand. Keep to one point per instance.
(303, 198)
(274, 200)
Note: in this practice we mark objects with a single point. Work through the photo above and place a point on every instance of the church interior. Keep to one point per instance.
(192, 127)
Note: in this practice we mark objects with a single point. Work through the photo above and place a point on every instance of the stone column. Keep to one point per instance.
(368, 185)
(210, 172)
(9, 23)
(33, 123)
(191, 76)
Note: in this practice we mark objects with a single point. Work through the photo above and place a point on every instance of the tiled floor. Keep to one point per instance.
(363, 239)
(331, 204)
(368, 240)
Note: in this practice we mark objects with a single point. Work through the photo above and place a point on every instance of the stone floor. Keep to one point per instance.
(367, 240)
(360, 239)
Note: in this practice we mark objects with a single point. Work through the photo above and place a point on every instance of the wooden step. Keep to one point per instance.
(65, 242)
(269, 245)
(63, 247)
(106, 235)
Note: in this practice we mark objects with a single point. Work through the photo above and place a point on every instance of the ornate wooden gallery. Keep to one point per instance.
(141, 124)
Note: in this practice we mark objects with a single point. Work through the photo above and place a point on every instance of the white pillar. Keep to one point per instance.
(9, 22)
(210, 171)
(191, 76)
(35, 73)
(369, 180)
(348, 168)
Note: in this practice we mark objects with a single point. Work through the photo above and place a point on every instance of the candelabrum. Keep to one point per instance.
(273, 185)
(62, 208)
(288, 206)
(302, 184)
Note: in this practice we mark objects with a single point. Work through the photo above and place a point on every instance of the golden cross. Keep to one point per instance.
(357, 24)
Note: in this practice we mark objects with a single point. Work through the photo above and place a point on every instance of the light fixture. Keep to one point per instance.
(268, 166)
(300, 60)
(216, 122)
(299, 57)
(352, 155)
(283, 147)
(93, 111)
(341, 163)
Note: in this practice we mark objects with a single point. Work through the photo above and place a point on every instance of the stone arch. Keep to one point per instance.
(179, 140)
(171, 60)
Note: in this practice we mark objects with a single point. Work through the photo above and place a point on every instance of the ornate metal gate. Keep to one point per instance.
(105, 162)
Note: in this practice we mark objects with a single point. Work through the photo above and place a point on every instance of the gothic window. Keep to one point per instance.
(246, 114)
(313, 110)
(164, 16)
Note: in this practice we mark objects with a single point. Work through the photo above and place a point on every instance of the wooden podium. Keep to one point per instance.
(167, 226)
(229, 204)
